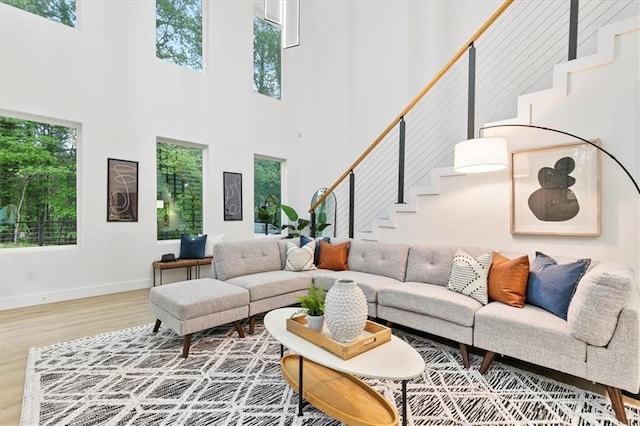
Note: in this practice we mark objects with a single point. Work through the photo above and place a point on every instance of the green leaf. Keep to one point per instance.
(322, 217)
(303, 223)
(322, 226)
(290, 212)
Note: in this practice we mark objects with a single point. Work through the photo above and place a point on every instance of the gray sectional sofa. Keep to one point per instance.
(407, 285)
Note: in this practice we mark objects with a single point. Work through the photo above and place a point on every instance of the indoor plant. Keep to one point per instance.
(313, 302)
(297, 225)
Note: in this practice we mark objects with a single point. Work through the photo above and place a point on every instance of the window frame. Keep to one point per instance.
(203, 176)
(78, 178)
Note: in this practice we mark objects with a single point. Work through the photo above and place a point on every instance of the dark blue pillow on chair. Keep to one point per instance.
(192, 248)
(551, 286)
(304, 240)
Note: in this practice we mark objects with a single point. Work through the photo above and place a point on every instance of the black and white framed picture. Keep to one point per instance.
(556, 191)
(122, 190)
(232, 195)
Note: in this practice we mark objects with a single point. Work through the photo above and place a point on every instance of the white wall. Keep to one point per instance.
(360, 63)
(104, 76)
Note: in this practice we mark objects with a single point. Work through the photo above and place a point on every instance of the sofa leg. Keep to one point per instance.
(615, 395)
(252, 324)
(157, 326)
(186, 346)
(239, 328)
(465, 355)
(388, 324)
(486, 361)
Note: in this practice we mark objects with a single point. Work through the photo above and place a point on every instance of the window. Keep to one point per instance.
(63, 11)
(179, 32)
(179, 186)
(266, 195)
(266, 58)
(38, 190)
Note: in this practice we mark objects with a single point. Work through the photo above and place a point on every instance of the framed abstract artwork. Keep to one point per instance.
(122, 190)
(556, 191)
(232, 195)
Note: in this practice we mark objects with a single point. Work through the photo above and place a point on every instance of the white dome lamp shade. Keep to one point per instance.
(480, 155)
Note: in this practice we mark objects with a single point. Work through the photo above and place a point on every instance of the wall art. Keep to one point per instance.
(232, 195)
(556, 191)
(122, 190)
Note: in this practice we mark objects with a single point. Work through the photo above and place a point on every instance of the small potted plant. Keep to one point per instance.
(313, 302)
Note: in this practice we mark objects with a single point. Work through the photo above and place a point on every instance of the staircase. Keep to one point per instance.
(596, 97)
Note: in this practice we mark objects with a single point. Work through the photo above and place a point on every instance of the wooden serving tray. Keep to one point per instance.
(341, 396)
(372, 336)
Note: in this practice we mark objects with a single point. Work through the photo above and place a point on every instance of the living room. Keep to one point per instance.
(340, 87)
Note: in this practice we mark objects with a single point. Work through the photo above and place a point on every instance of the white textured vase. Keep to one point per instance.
(345, 310)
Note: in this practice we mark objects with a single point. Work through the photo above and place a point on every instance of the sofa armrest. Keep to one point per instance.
(618, 363)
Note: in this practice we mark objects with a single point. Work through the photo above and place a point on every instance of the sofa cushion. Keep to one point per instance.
(599, 298)
(237, 258)
(469, 275)
(508, 279)
(551, 286)
(271, 284)
(370, 284)
(431, 299)
(432, 264)
(386, 259)
(192, 247)
(304, 240)
(334, 257)
(300, 258)
(531, 334)
(197, 298)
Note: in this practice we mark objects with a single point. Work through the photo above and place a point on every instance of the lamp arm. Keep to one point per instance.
(573, 136)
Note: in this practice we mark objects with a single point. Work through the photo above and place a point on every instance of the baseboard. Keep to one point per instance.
(71, 294)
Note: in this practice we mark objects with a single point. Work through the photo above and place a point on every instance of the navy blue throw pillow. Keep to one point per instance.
(192, 248)
(551, 286)
(304, 240)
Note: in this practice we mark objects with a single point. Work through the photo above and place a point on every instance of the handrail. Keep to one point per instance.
(415, 100)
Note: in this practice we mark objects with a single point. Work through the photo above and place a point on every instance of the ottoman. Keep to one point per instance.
(195, 305)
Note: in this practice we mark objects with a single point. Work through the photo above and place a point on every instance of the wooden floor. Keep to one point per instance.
(21, 329)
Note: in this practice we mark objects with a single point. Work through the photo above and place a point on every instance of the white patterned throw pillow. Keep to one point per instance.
(300, 258)
(469, 275)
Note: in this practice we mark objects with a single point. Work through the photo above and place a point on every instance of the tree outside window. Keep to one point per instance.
(63, 11)
(266, 58)
(179, 187)
(266, 195)
(38, 190)
(179, 32)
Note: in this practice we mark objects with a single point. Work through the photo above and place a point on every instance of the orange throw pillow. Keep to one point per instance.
(508, 280)
(334, 256)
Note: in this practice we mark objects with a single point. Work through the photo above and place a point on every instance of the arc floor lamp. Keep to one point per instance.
(490, 154)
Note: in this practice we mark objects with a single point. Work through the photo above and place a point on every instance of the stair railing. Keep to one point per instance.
(493, 89)
(400, 118)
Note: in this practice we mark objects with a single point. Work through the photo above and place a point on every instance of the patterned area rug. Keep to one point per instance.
(136, 377)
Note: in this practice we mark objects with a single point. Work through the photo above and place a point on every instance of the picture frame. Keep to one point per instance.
(569, 202)
(122, 190)
(232, 183)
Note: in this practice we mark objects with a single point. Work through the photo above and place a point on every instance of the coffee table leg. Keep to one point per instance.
(281, 351)
(300, 386)
(404, 403)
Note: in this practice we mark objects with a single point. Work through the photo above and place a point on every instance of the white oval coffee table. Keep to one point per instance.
(394, 360)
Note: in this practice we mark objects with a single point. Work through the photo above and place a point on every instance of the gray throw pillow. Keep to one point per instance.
(600, 296)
